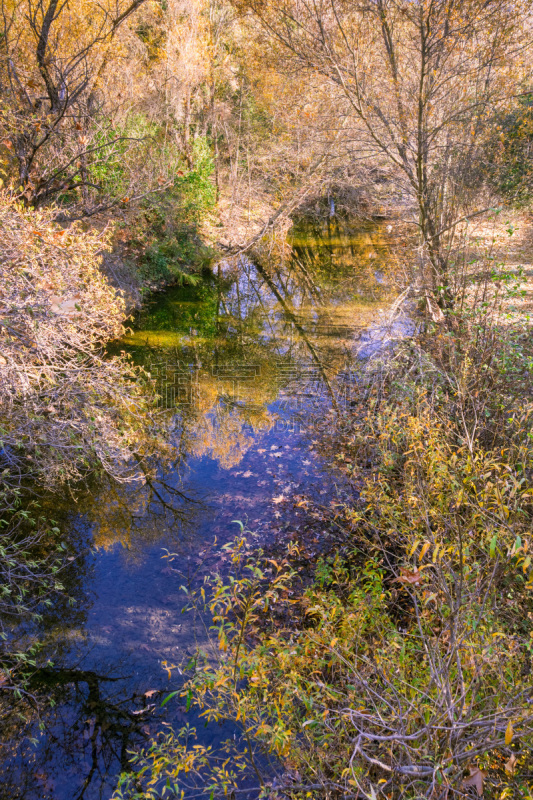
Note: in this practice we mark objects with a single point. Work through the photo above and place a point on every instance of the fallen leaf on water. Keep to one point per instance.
(477, 776)
(247, 474)
(138, 712)
(151, 692)
(279, 499)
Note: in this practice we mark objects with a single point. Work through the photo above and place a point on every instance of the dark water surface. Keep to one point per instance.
(244, 363)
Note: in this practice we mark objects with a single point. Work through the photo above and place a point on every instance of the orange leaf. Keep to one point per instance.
(413, 578)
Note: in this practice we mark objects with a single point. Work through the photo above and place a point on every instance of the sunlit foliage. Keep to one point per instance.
(66, 409)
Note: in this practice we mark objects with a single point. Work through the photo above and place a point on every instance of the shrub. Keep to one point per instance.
(166, 232)
(65, 407)
(509, 151)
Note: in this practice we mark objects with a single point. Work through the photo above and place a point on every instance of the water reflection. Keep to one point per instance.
(243, 363)
(223, 352)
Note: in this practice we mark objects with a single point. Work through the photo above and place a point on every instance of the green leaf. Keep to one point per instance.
(169, 697)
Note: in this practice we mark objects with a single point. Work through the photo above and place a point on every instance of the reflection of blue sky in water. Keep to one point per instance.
(242, 365)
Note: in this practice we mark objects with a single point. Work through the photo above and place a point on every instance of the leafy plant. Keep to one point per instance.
(509, 153)
(65, 408)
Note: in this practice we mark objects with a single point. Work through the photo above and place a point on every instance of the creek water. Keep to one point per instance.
(244, 362)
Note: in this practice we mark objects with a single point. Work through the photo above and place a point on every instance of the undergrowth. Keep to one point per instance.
(166, 239)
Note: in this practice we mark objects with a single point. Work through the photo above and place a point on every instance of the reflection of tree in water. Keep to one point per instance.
(289, 308)
(132, 514)
(222, 351)
(226, 434)
(334, 252)
(78, 741)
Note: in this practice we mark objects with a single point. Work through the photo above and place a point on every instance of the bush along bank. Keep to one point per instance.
(160, 243)
(403, 670)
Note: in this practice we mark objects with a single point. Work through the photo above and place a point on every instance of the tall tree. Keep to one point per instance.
(421, 82)
(52, 54)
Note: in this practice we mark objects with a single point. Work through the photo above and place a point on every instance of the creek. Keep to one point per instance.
(244, 362)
